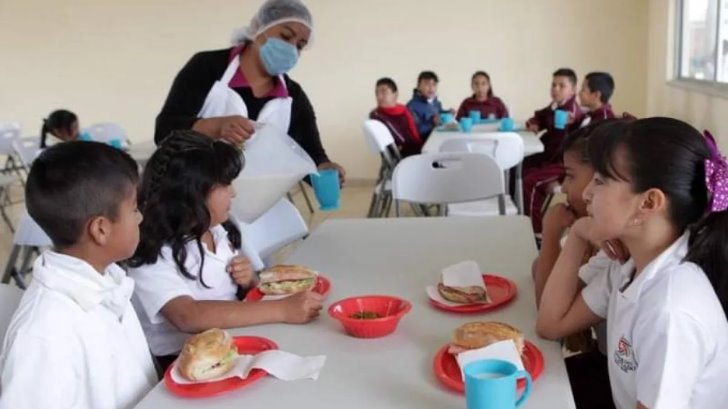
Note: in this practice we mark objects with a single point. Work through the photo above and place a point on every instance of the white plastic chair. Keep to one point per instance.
(9, 132)
(507, 149)
(9, 300)
(28, 240)
(106, 132)
(380, 141)
(27, 149)
(281, 225)
(445, 178)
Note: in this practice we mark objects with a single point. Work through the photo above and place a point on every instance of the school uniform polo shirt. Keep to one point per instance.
(667, 333)
(161, 282)
(75, 341)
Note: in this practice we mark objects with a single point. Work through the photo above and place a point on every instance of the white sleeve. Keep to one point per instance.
(39, 372)
(156, 285)
(596, 293)
(670, 349)
(598, 264)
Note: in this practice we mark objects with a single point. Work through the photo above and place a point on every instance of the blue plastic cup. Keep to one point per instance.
(561, 118)
(116, 143)
(492, 384)
(475, 116)
(327, 189)
(466, 124)
(445, 117)
(84, 137)
(507, 124)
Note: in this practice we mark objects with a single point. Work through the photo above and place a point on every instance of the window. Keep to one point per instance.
(703, 40)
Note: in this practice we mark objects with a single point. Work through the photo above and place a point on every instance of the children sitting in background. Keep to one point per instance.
(563, 97)
(544, 170)
(75, 340)
(588, 370)
(396, 117)
(482, 99)
(596, 90)
(424, 105)
(61, 124)
(187, 267)
(665, 307)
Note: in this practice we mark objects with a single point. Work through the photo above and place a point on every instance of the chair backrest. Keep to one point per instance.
(28, 149)
(9, 299)
(106, 132)
(380, 140)
(9, 132)
(442, 178)
(281, 225)
(29, 233)
(505, 147)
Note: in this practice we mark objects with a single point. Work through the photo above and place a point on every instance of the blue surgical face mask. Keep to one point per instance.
(278, 56)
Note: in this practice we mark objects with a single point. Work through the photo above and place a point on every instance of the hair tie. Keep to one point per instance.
(716, 176)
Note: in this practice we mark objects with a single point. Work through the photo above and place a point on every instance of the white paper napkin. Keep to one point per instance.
(280, 364)
(503, 350)
(463, 274)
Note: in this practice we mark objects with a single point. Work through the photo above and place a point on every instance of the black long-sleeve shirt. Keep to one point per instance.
(192, 84)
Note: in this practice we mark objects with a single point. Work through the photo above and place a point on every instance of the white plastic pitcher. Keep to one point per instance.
(274, 163)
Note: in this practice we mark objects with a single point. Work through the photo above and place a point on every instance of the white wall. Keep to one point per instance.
(700, 109)
(115, 60)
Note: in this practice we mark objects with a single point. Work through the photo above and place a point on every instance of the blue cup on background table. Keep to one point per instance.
(475, 116)
(466, 124)
(561, 118)
(445, 117)
(507, 124)
(117, 143)
(492, 384)
(327, 189)
(84, 136)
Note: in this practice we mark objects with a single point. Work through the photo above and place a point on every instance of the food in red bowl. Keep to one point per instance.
(370, 316)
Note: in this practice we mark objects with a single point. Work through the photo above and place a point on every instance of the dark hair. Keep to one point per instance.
(483, 74)
(602, 82)
(427, 75)
(386, 81)
(669, 155)
(173, 193)
(577, 141)
(59, 119)
(566, 72)
(70, 183)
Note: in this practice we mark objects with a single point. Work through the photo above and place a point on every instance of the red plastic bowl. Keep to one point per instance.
(391, 310)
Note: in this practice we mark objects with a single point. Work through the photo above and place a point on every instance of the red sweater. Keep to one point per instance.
(400, 123)
(492, 105)
(599, 114)
(544, 119)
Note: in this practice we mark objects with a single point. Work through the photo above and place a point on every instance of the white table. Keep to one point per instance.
(398, 257)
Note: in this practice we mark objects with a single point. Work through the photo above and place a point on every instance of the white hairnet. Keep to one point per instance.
(271, 13)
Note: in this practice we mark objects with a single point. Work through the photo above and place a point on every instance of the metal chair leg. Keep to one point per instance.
(10, 266)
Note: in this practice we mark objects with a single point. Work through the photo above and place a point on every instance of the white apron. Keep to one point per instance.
(263, 181)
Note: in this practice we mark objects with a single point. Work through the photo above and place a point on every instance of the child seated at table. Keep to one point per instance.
(75, 340)
(424, 105)
(665, 307)
(543, 171)
(396, 117)
(482, 100)
(187, 267)
(61, 124)
(588, 370)
(596, 90)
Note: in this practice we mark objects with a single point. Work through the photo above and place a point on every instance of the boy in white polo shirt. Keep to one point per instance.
(661, 189)
(75, 340)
